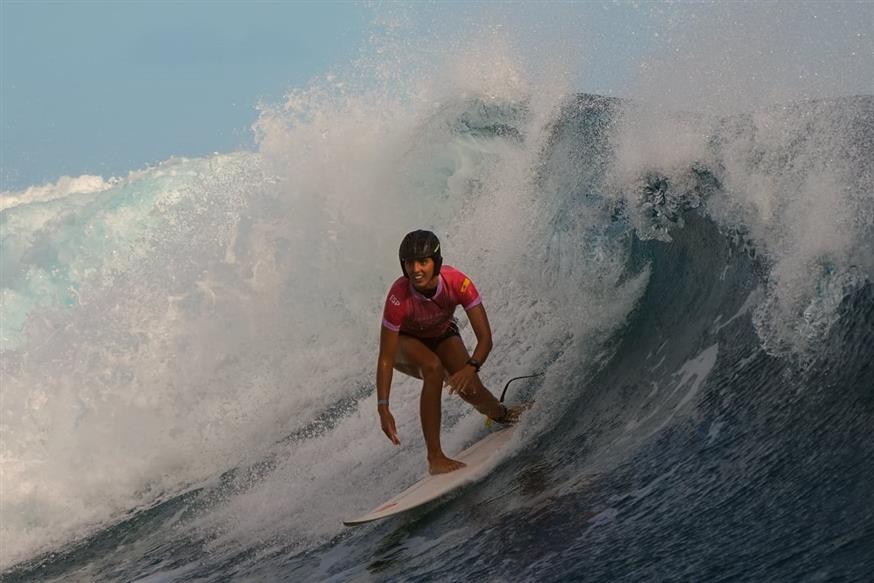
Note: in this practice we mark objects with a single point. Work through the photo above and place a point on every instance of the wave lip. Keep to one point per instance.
(65, 186)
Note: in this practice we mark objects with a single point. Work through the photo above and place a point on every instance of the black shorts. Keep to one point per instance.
(434, 342)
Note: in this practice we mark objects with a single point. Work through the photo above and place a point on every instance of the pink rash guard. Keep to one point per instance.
(409, 312)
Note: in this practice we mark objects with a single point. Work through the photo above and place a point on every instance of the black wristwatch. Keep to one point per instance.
(474, 363)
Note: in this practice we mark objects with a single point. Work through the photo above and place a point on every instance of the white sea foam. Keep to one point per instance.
(789, 178)
(368, 167)
(790, 169)
(181, 322)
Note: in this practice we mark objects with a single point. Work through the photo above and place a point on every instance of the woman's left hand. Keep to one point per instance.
(462, 380)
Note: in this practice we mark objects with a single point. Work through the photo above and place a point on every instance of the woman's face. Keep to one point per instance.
(421, 272)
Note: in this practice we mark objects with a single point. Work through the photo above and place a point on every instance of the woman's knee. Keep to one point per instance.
(432, 369)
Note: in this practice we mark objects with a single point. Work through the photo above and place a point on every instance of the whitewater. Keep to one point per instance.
(188, 351)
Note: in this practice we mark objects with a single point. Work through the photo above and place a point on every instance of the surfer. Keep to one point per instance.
(420, 338)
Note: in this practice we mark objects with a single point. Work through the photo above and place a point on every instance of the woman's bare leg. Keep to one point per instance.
(415, 357)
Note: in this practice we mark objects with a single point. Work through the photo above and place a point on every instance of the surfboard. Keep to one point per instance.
(432, 487)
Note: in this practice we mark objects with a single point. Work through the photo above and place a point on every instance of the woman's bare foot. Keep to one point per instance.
(512, 414)
(443, 465)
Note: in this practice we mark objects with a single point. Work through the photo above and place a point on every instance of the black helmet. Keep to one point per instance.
(419, 245)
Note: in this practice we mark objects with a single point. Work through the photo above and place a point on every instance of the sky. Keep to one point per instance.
(105, 87)
(102, 88)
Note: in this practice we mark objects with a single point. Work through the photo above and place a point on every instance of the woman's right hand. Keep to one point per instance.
(387, 420)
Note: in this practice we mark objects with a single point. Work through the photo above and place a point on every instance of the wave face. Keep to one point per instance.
(188, 352)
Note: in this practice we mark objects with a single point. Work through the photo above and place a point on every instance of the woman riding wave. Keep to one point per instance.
(420, 338)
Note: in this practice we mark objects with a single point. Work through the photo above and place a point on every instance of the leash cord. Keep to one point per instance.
(530, 376)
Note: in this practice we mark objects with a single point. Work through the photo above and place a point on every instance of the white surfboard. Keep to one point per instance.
(432, 487)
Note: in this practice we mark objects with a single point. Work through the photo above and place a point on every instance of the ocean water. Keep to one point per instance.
(189, 350)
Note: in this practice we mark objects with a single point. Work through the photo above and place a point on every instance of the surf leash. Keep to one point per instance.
(529, 376)
(489, 420)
